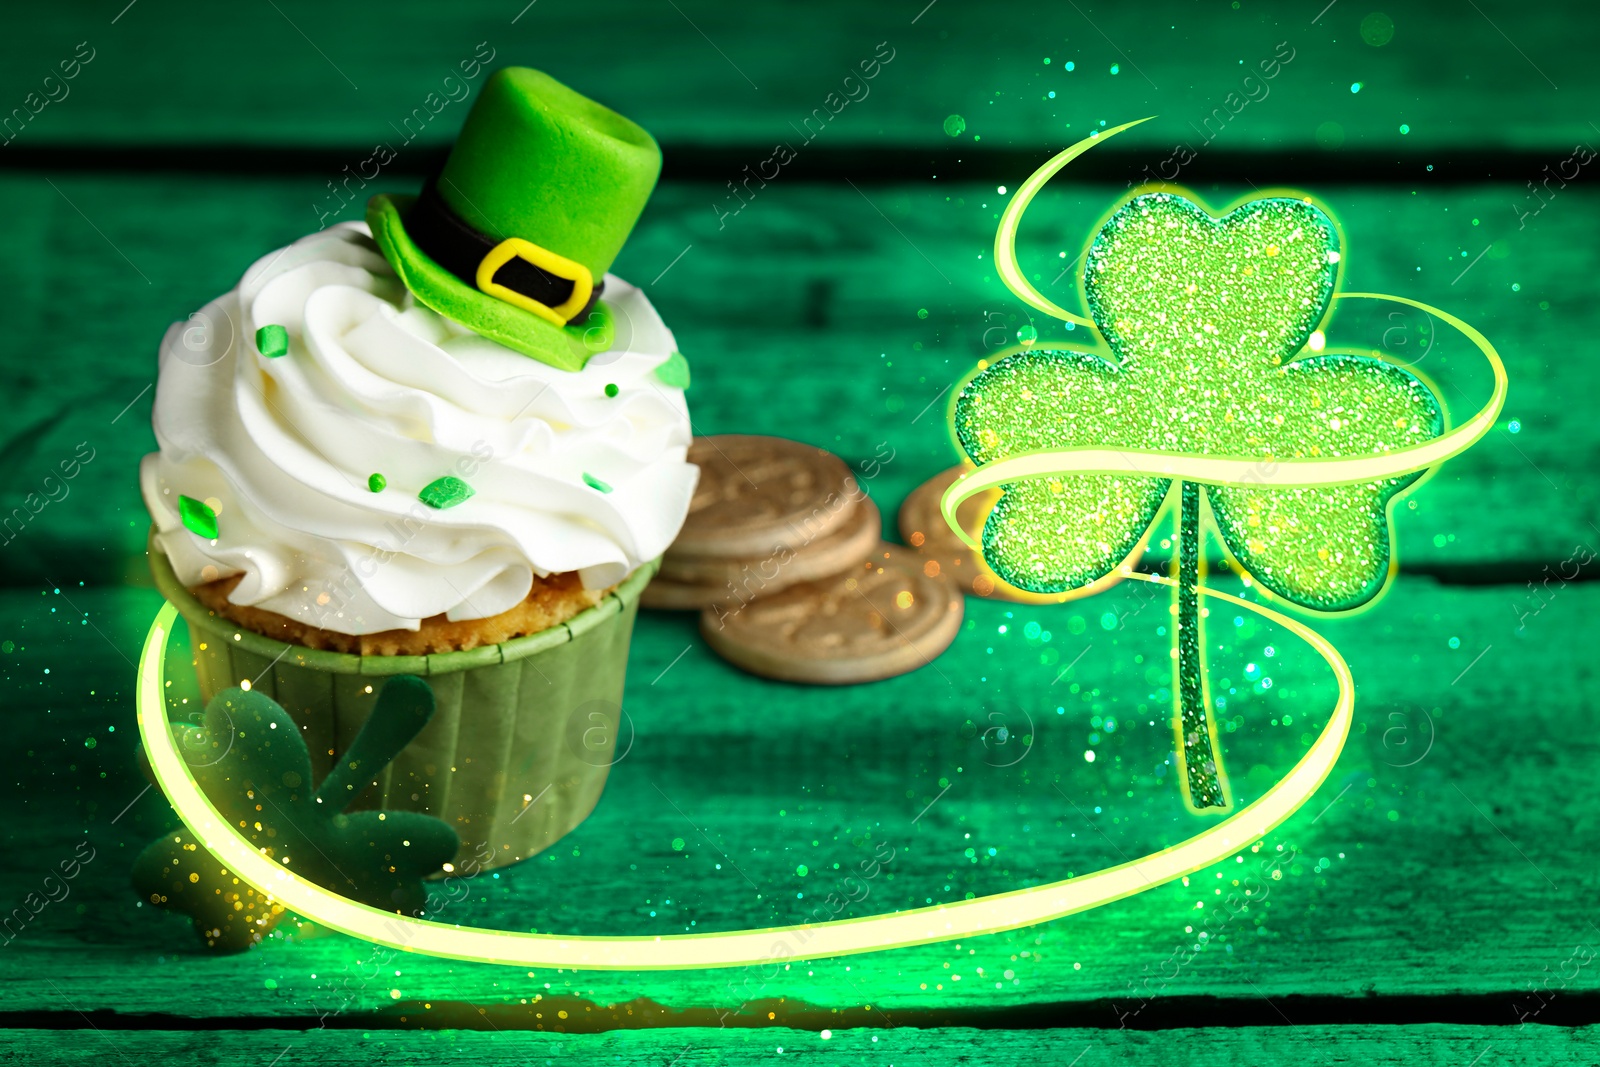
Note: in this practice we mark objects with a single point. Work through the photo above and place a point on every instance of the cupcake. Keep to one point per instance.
(443, 443)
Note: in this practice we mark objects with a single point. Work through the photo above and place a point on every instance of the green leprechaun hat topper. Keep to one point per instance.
(514, 236)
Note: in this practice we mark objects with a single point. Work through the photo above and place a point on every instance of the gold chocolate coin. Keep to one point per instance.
(785, 564)
(882, 618)
(758, 492)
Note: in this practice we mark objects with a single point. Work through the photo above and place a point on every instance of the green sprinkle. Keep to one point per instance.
(198, 517)
(377, 482)
(446, 492)
(595, 483)
(674, 372)
(272, 341)
(611, 389)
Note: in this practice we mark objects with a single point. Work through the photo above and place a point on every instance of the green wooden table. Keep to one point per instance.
(1436, 900)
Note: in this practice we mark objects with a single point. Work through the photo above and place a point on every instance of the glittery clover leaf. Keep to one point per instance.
(253, 765)
(1204, 319)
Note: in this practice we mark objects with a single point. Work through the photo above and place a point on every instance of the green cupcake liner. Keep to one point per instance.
(517, 752)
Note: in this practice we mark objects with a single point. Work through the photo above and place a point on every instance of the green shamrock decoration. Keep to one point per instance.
(1205, 321)
(261, 781)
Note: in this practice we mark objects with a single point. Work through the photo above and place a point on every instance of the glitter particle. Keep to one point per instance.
(1377, 29)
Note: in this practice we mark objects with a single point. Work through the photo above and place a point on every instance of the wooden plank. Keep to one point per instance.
(1446, 831)
(300, 73)
(906, 1047)
(828, 287)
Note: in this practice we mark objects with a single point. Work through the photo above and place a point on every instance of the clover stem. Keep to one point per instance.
(1202, 768)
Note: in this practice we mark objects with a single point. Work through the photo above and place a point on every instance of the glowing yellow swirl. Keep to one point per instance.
(1210, 469)
(1242, 470)
(920, 926)
(942, 922)
(1005, 236)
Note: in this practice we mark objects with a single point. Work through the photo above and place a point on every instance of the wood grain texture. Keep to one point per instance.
(824, 285)
(904, 1047)
(297, 73)
(1444, 872)
(1449, 832)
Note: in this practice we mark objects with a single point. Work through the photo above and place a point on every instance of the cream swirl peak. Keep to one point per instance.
(569, 471)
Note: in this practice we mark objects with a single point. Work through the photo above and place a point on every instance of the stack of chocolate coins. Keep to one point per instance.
(782, 555)
(767, 514)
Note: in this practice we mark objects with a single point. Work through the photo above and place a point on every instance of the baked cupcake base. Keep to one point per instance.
(522, 738)
(553, 600)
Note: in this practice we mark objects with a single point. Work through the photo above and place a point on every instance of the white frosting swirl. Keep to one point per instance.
(376, 383)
